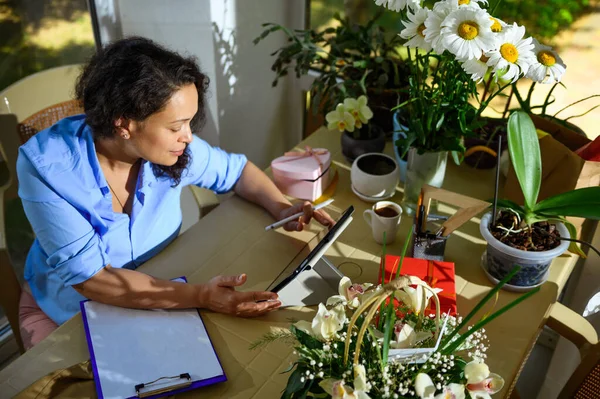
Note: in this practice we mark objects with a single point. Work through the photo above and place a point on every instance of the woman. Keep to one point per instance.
(102, 191)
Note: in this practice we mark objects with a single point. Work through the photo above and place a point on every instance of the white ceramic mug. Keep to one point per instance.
(374, 174)
(384, 216)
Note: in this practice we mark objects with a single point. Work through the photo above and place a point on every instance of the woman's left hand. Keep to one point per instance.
(298, 225)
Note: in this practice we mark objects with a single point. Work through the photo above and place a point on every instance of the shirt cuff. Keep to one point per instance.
(80, 260)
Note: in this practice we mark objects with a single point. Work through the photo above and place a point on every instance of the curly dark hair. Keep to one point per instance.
(134, 78)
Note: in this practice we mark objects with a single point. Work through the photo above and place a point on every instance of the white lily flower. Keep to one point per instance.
(359, 110)
(349, 294)
(424, 387)
(407, 337)
(416, 298)
(340, 119)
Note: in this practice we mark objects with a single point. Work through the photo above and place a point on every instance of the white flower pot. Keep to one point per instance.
(500, 258)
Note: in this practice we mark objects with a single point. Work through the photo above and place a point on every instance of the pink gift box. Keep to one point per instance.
(303, 175)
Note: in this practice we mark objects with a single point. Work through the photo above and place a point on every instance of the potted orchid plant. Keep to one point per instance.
(360, 135)
(383, 341)
(452, 47)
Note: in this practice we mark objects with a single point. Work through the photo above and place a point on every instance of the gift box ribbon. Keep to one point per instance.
(308, 152)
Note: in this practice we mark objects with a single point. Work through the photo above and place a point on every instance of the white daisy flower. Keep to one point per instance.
(469, 3)
(398, 5)
(513, 55)
(476, 68)
(498, 25)
(414, 28)
(433, 24)
(467, 33)
(548, 67)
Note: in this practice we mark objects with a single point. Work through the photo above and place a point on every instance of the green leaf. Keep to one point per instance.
(390, 321)
(524, 150)
(583, 202)
(305, 339)
(477, 307)
(508, 204)
(294, 384)
(573, 247)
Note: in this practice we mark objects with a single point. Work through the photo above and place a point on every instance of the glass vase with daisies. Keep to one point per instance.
(360, 135)
(390, 340)
(451, 48)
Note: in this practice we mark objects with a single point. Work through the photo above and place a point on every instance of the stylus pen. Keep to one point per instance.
(296, 216)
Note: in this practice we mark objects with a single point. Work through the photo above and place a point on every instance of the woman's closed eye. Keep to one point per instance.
(176, 129)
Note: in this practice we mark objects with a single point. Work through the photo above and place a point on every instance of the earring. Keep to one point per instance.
(125, 136)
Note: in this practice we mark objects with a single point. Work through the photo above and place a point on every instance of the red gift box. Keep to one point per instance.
(436, 274)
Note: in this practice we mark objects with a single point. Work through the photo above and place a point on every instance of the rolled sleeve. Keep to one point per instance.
(79, 260)
(213, 168)
(72, 246)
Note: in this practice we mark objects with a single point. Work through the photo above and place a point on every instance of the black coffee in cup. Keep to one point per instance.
(386, 212)
(375, 164)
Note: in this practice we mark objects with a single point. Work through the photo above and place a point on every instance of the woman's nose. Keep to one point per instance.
(186, 137)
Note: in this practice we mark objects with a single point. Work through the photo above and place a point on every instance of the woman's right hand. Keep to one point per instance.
(219, 295)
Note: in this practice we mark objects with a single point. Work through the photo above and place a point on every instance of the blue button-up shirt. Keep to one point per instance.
(69, 205)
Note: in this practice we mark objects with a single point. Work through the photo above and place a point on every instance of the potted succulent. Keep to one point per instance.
(532, 235)
(360, 134)
(351, 60)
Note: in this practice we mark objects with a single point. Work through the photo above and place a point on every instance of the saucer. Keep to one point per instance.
(507, 287)
(367, 198)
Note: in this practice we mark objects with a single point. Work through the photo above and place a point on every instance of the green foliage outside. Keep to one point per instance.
(40, 35)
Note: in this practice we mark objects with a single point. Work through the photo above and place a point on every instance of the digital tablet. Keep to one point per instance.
(316, 253)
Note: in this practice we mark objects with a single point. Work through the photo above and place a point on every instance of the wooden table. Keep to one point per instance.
(232, 240)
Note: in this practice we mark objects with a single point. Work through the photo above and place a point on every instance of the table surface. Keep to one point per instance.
(232, 240)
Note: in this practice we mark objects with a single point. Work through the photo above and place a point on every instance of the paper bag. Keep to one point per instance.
(562, 169)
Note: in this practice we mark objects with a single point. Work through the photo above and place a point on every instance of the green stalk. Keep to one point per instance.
(456, 344)
(477, 307)
(404, 249)
(382, 306)
(390, 321)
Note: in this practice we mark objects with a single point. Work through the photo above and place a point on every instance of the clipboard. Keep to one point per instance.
(138, 353)
(315, 278)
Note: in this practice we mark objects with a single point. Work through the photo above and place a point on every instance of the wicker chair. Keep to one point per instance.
(47, 117)
(15, 135)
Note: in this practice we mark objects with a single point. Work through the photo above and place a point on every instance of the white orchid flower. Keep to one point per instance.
(340, 119)
(416, 298)
(476, 371)
(359, 110)
(407, 337)
(338, 390)
(326, 323)
(481, 384)
(349, 294)
(452, 391)
(424, 386)
(425, 389)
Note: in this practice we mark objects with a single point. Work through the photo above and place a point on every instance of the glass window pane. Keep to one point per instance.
(37, 35)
